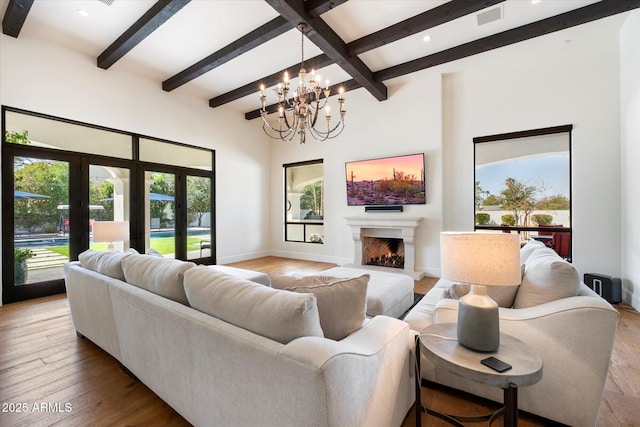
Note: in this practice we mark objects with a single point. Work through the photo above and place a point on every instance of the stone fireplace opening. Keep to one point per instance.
(383, 252)
(384, 242)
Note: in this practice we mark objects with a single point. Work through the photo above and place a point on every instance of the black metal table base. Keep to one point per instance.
(509, 410)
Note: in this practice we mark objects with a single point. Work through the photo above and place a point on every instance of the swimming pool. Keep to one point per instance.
(64, 240)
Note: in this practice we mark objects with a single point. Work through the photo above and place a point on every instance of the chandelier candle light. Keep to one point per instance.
(300, 113)
(481, 260)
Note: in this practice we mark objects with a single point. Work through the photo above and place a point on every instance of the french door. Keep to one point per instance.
(57, 198)
(64, 183)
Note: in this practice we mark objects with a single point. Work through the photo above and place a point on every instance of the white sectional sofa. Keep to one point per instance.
(262, 360)
(571, 327)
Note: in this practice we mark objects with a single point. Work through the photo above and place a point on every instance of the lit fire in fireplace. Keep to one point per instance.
(383, 252)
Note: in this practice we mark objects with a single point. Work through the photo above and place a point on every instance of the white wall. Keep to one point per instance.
(549, 83)
(630, 150)
(46, 78)
(374, 129)
(531, 85)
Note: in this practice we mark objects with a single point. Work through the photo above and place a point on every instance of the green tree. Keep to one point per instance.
(162, 184)
(17, 137)
(98, 193)
(519, 198)
(312, 198)
(482, 218)
(542, 219)
(199, 197)
(508, 219)
(481, 194)
(557, 202)
(492, 200)
(43, 177)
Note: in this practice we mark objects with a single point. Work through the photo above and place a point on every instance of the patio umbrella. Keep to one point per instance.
(154, 197)
(25, 195)
(157, 197)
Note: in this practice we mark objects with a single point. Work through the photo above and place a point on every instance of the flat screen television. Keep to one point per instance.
(386, 181)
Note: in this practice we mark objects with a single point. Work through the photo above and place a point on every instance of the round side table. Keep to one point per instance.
(439, 344)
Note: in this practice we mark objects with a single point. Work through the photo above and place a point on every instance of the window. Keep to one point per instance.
(61, 177)
(304, 202)
(523, 184)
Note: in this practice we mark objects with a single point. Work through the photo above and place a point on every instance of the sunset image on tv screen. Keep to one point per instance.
(389, 181)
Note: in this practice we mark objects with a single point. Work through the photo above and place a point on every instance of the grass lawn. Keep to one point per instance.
(164, 245)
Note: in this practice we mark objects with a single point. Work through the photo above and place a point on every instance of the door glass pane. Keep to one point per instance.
(43, 132)
(109, 203)
(198, 217)
(41, 239)
(160, 213)
(154, 151)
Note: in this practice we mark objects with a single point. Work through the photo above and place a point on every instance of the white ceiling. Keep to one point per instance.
(204, 26)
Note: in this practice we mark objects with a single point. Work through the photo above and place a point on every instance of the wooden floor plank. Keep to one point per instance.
(43, 361)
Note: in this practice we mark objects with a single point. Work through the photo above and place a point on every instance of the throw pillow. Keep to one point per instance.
(104, 262)
(162, 276)
(503, 295)
(547, 278)
(342, 305)
(276, 314)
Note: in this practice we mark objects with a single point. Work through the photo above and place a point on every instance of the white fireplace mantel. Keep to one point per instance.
(380, 225)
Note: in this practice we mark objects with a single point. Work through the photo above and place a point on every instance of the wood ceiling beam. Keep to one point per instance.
(15, 16)
(431, 18)
(147, 24)
(260, 35)
(316, 8)
(330, 43)
(447, 12)
(316, 63)
(346, 86)
(563, 21)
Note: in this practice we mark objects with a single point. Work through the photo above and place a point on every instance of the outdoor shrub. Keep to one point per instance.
(482, 218)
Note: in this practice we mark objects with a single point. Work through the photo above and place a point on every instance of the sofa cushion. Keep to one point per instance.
(503, 295)
(528, 249)
(342, 304)
(547, 277)
(162, 276)
(104, 262)
(283, 282)
(276, 314)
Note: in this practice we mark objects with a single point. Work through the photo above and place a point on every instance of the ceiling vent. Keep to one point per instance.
(490, 15)
(107, 2)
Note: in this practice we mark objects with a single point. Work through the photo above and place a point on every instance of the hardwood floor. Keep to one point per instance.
(50, 377)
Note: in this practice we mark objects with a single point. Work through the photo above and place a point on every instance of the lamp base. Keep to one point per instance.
(478, 323)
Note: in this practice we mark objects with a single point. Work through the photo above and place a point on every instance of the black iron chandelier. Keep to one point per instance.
(301, 112)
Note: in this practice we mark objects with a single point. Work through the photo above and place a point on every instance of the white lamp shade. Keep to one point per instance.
(110, 231)
(491, 259)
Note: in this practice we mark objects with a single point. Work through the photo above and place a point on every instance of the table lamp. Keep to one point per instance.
(480, 259)
(110, 231)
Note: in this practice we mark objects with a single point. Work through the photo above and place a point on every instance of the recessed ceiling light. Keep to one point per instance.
(535, 1)
(83, 12)
(426, 38)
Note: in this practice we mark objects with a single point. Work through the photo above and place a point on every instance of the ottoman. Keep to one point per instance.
(388, 294)
(254, 276)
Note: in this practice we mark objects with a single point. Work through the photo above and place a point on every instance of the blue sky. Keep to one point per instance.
(550, 172)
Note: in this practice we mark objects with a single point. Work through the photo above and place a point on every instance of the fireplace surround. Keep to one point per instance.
(390, 227)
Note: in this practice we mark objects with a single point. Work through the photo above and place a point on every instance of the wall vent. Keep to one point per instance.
(490, 15)
(107, 2)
